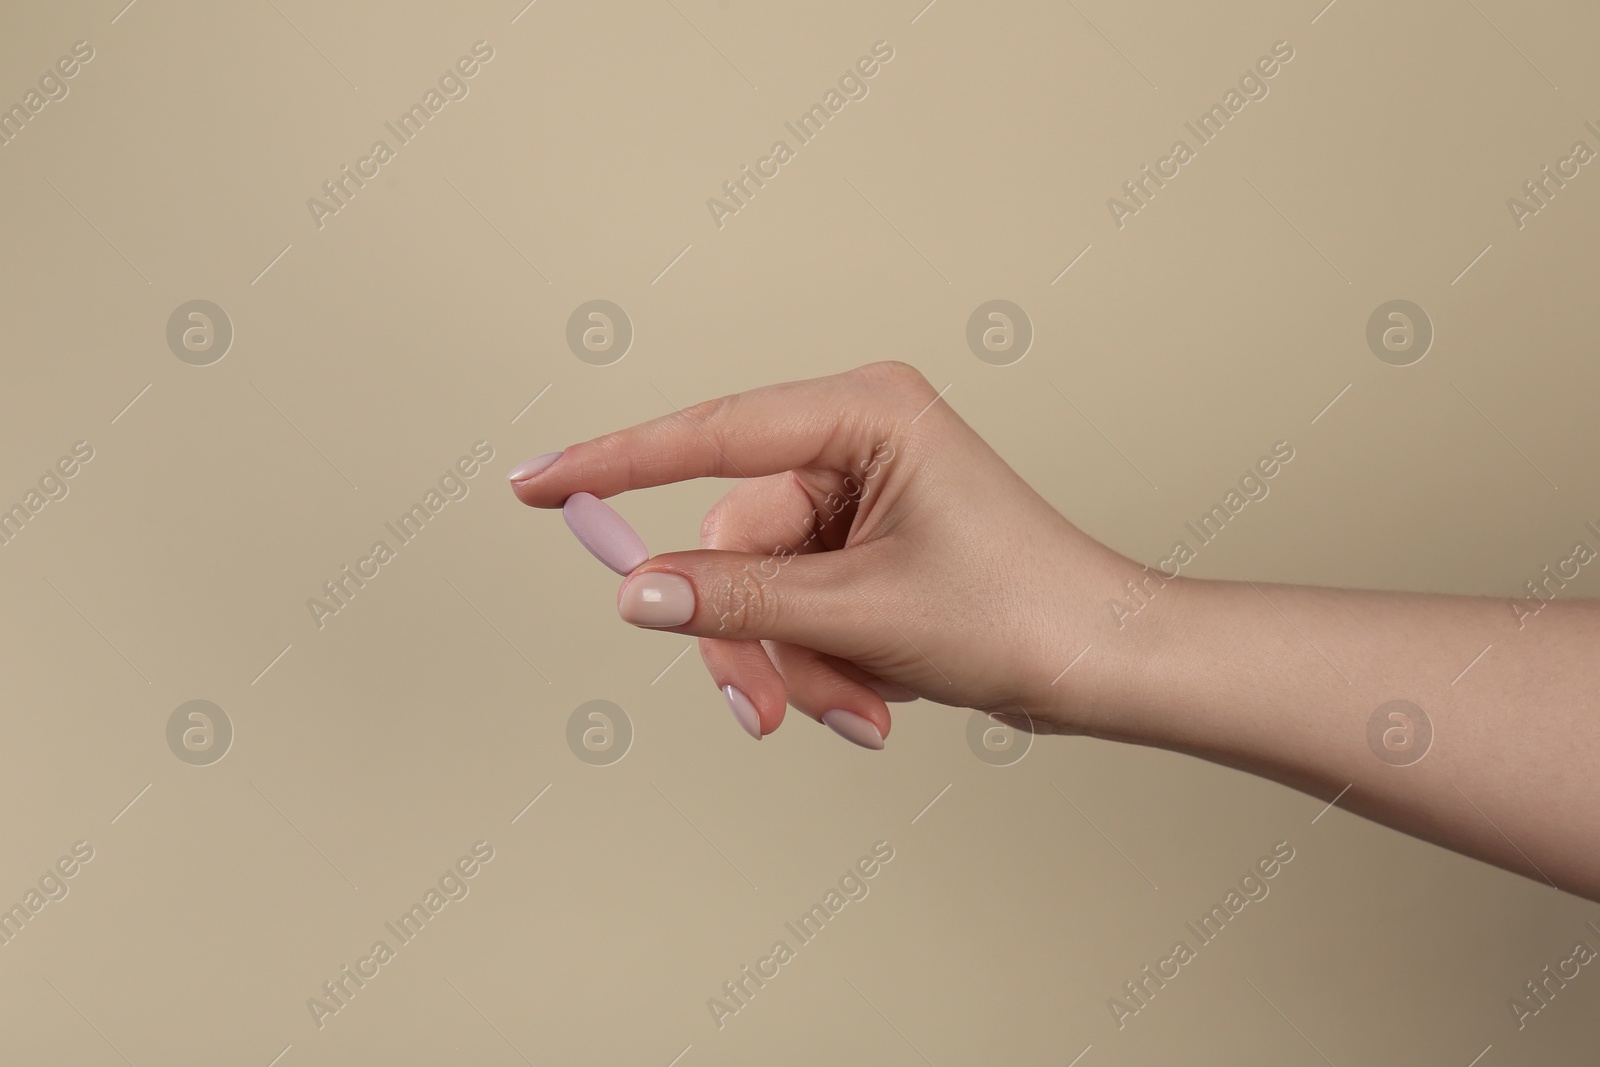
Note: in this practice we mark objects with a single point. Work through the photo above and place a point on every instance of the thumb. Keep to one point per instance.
(811, 599)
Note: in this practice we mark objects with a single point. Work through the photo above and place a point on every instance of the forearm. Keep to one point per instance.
(1282, 681)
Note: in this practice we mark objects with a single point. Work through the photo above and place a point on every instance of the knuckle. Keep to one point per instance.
(742, 602)
(709, 417)
(896, 372)
(617, 449)
(896, 386)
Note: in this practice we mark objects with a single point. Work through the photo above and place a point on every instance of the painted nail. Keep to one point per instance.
(657, 599)
(853, 728)
(743, 710)
(604, 532)
(533, 466)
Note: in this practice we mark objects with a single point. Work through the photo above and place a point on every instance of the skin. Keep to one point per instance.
(934, 567)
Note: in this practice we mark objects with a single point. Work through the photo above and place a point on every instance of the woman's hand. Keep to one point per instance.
(879, 548)
(876, 548)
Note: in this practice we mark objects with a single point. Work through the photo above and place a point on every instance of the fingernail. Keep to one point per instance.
(743, 710)
(604, 532)
(657, 599)
(533, 466)
(853, 728)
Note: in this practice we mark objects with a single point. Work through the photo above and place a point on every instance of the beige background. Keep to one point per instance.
(427, 314)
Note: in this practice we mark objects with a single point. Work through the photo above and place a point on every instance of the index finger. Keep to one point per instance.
(833, 422)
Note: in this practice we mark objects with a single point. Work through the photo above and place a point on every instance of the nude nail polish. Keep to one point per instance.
(604, 533)
(657, 599)
(743, 710)
(853, 728)
(533, 466)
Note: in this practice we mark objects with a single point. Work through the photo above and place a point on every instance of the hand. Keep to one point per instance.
(876, 548)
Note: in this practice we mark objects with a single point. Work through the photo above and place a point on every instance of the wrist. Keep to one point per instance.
(1135, 642)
